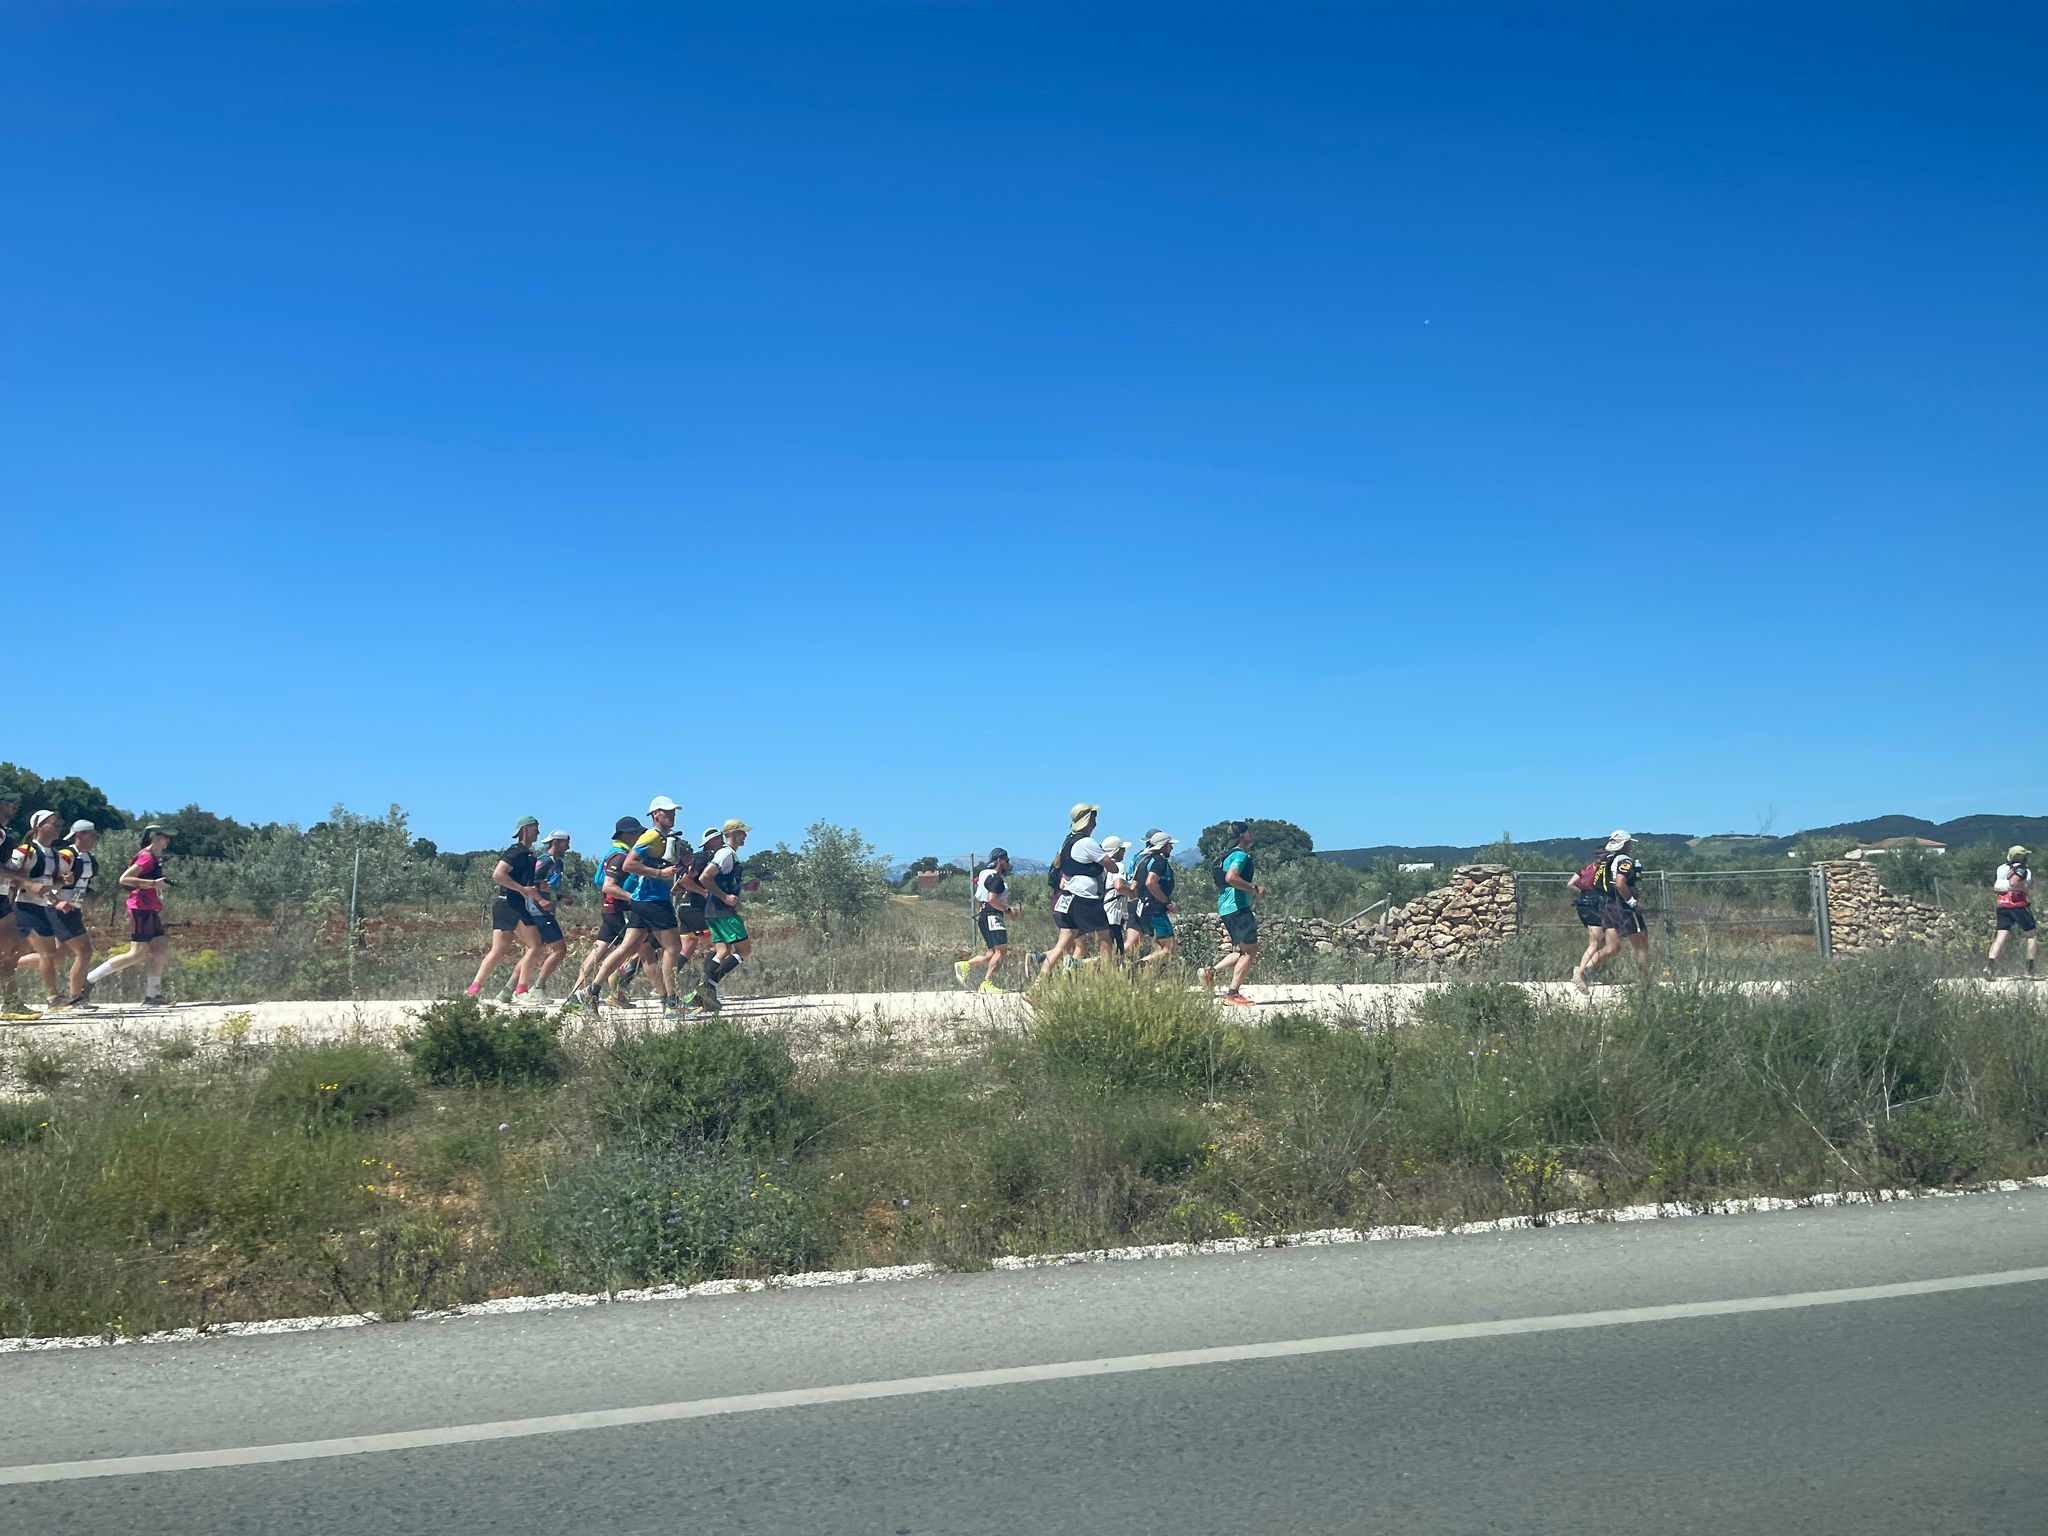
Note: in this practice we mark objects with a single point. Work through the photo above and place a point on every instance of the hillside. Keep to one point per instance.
(1956, 833)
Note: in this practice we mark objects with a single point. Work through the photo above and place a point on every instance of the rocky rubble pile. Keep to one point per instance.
(1863, 915)
(1443, 927)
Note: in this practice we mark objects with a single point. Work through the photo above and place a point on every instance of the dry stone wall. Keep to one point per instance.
(1863, 915)
(1440, 929)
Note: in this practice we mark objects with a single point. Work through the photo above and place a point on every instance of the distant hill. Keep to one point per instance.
(2032, 830)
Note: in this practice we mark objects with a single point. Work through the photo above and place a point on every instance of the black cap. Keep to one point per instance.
(997, 855)
(627, 826)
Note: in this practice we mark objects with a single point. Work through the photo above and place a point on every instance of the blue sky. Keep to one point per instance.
(1412, 422)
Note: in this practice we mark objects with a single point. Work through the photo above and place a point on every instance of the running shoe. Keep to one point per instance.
(573, 1003)
(1206, 976)
(990, 989)
(619, 998)
(708, 998)
(1239, 1000)
(594, 999)
(960, 970)
(537, 993)
(84, 999)
(157, 1002)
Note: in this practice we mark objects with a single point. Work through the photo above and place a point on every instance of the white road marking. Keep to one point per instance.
(962, 1381)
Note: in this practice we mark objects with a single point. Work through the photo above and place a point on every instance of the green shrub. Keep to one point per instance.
(1161, 1144)
(1488, 1007)
(23, 1121)
(348, 1082)
(1933, 1144)
(44, 1070)
(710, 1082)
(1122, 1035)
(461, 1041)
(676, 1213)
(1024, 1164)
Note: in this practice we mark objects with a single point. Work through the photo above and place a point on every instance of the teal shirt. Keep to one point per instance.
(1230, 898)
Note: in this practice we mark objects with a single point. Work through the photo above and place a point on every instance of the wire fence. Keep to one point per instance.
(1759, 903)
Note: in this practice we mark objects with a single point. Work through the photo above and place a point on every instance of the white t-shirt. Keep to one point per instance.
(1113, 899)
(1085, 887)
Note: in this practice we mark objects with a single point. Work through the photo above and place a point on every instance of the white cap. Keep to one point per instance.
(1618, 841)
(556, 837)
(40, 817)
(661, 803)
(81, 826)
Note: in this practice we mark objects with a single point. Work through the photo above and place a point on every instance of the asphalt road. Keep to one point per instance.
(1382, 1387)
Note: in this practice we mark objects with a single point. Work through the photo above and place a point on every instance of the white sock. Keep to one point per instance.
(101, 971)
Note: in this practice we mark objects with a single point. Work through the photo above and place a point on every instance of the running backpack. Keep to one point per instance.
(1589, 878)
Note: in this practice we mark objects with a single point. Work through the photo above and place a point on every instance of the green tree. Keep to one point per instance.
(70, 797)
(1278, 842)
(836, 874)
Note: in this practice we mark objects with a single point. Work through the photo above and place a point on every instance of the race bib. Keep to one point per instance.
(1065, 902)
(995, 924)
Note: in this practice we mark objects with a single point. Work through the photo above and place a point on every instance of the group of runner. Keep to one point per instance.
(1111, 900)
(1604, 893)
(45, 883)
(662, 904)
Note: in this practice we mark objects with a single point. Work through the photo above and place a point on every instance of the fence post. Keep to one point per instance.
(1823, 939)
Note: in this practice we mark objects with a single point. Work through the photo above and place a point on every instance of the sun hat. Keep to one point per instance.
(627, 826)
(1618, 841)
(557, 836)
(1080, 815)
(733, 825)
(1156, 839)
(661, 803)
(2015, 852)
(1114, 846)
(79, 826)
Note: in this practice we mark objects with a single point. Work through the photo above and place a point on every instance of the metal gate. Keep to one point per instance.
(1763, 904)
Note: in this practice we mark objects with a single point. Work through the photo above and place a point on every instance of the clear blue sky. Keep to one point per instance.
(1412, 422)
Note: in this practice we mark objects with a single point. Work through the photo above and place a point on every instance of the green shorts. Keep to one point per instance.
(729, 930)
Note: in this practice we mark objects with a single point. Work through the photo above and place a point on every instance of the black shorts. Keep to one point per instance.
(994, 929)
(550, 928)
(508, 912)
(6, 905)
(1242, 927)
(691, 920)
(654, 916)
(70, 925)
(2021, 918)
(1588, 908)
(1623, 918)
(145, 927)
(32, 919)
(611, 925)
(1084, 914)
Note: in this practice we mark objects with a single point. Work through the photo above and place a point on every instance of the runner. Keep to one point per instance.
(1588, 902)
(1621, 912)
(548, 870)
(512, 925)
(1152, 903)
(649, 870)
(2014, 886)
(721, 880)
(11, 945)
(145, 882)
(612, 904)
(33, 866)
(1234, 893)
(992, 912)
(1115, 893)
(77, 867)
(1076, 882)
(693, 915)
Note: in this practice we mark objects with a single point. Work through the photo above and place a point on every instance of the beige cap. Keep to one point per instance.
(1618, 841)
(1082, 814)
(735, 825)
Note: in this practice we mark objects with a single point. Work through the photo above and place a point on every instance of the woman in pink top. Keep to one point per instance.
(145, 882)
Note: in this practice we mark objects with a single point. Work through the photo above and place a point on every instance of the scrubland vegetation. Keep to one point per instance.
(489, 1158)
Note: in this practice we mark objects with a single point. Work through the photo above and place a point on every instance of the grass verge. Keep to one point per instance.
(347, 1177)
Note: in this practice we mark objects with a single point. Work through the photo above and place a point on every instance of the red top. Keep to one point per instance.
(146, 901)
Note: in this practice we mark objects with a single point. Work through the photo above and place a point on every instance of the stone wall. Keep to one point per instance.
(1442, 928)
(1863, 915)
